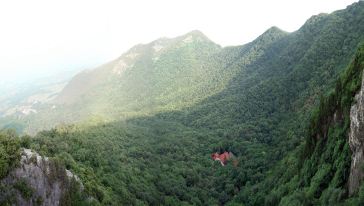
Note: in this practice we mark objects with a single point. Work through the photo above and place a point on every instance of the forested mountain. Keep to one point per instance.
(164, 75)
(323, 170)
(145, 125)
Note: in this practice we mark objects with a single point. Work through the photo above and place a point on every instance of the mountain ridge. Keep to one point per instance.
(150, 130)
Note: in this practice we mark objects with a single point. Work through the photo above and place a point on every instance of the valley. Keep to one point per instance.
(141, 129)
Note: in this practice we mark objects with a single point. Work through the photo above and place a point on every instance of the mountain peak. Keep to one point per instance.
(315, 18)
(196, 35)
(271, 34)
(273, 31)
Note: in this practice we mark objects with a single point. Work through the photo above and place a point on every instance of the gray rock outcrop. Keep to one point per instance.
(46, 181)
(356, 142)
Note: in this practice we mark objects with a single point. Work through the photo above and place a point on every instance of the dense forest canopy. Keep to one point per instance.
(141, 130)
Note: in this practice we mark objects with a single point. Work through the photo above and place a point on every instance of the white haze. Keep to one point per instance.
(44, 37)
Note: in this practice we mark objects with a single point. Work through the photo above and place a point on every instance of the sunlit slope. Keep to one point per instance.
(275, 73)
(260, 113)
(165, 75)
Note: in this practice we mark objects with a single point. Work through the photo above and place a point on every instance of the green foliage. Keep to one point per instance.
(117, 168)
(73, 195)
(25, 190)
(152, 161)
(152, 129)
(9, 151)
(323, 162)
(297, 198)
(6, 198)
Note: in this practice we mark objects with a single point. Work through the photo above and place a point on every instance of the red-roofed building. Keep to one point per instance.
(223, 158)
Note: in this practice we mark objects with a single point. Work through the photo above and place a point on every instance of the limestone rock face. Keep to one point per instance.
(356, 141)
(46, 181)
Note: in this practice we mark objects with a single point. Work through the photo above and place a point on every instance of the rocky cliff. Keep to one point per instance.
(356, 141)
(39, 181)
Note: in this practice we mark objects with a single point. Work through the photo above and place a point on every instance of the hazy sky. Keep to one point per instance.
(43, 36)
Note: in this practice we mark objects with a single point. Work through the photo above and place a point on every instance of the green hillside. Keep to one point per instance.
(164, 75)
(153, 161)
(192, 71)
(146, 124)
(317, 172)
